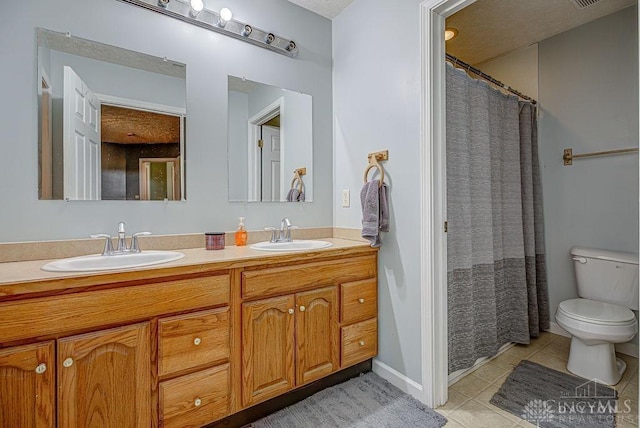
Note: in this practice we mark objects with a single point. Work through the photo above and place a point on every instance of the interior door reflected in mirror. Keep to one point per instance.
(111, 122)
(270, 138)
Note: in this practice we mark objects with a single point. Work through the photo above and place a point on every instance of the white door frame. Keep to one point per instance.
(433, 207)
(254, 122)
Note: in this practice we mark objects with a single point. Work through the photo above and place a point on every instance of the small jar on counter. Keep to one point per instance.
(214, 240)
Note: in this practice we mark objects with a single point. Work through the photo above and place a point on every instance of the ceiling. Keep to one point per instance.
(327, 8)
(490, 28)
(126, 126)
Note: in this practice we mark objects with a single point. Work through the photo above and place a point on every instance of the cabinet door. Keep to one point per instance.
(267, 348)
(27, 390)
(317, 334)
(104, 378)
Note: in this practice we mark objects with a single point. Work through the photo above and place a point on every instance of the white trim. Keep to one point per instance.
(628, 348)
(458, 375)
(141, 105)
(254, 122)
(433, 240)
(397, 379)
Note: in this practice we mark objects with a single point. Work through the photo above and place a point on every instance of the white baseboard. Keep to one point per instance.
(398, 380)
(628, 348)
(556, 329)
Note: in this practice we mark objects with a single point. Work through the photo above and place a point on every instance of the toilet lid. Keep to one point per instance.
(596, 312)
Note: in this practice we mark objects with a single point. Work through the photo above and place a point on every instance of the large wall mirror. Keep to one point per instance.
(270, 138)
(111, 122)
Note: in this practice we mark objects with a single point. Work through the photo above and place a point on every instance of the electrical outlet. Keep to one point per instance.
(346, 199)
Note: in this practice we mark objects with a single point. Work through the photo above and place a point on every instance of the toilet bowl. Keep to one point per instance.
(607, 283)
(595, 327)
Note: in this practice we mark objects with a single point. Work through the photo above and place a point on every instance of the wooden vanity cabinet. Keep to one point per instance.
(183, 348)
(104, 378)
(293, 339)
(27, 386)
(288, 341)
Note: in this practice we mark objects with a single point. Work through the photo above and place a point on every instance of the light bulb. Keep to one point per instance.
(225, 14)
(196, 7)
(450, 33)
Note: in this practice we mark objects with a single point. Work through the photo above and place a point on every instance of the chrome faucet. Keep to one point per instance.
(284, 233)
(122, 242)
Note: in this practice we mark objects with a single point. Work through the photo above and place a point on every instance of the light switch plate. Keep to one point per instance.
(346, 199)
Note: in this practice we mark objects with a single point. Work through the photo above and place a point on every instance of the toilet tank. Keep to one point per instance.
(607, 276)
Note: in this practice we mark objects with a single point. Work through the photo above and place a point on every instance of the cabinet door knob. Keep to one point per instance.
(361, 300)
(42, 367)
(290, 311)
(197, 341)
(197, 402)
(362, 343)
(68, 362)
(302, 309)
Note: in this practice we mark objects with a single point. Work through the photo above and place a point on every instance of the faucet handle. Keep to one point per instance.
(135, 248)
(273, 233)
(108, 245)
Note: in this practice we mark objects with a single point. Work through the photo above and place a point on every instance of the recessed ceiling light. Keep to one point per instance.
(450, 33)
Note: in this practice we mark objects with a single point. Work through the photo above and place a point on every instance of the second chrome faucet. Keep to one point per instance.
(284, 233)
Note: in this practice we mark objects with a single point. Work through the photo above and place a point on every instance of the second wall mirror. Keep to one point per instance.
(270, 139)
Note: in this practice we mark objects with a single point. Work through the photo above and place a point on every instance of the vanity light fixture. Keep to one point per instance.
(194, 12)
(225, 16)
(196, 8)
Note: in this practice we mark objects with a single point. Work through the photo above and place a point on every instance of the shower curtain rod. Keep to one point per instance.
(455, 61)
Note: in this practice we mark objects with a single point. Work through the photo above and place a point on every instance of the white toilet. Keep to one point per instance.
(608, 288)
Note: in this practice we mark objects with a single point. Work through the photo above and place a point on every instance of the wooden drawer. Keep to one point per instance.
(196, 399)
(359, 301)
(43, 316)
(192, 340)
(359, 342)
(290, 279)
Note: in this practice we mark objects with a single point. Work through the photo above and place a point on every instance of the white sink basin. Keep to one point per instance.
(96, 262)
(295, 245)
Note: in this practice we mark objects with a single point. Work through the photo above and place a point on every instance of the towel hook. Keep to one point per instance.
(373, 163)
(296, 176)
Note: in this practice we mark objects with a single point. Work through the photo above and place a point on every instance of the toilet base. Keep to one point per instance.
(595, 362)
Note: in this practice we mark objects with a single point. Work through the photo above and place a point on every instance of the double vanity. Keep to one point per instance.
(184, 343)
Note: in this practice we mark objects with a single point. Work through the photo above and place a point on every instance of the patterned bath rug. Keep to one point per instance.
(551, 399)
(365, 401)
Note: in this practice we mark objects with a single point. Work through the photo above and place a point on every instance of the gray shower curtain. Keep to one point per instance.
(497, 290)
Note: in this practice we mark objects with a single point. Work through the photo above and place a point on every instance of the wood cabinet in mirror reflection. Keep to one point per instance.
(111, 122)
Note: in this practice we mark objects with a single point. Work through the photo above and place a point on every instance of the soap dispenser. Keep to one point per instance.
(241, 234)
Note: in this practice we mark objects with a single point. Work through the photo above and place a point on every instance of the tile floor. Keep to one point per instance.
(469, 406)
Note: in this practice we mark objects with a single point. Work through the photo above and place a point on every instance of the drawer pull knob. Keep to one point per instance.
(302, 309)
(68, 362)
(197, 341)
(41, 368)
(198, 402)
(361, 343)
(361, 300)
(291, 311)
